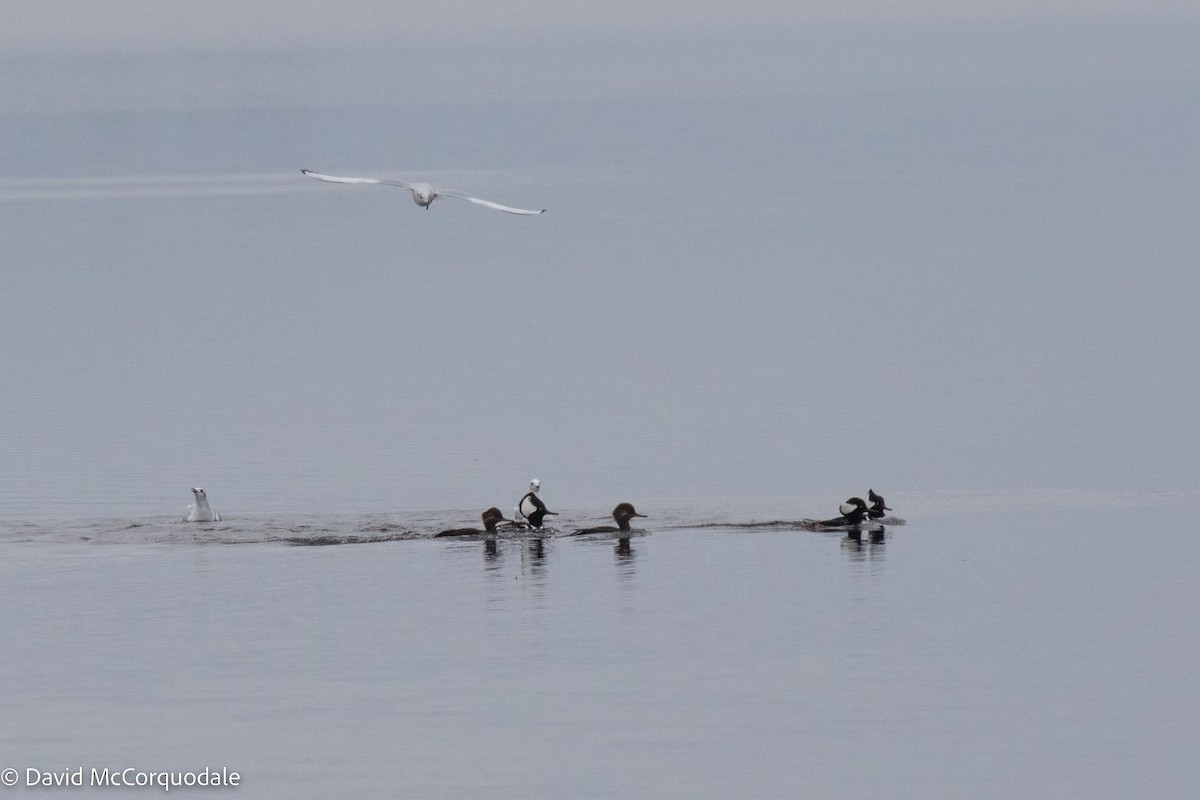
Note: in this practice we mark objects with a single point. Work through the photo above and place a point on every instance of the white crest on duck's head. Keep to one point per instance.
(854, 504)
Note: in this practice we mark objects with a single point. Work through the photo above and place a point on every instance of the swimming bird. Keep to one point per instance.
(422, 193)
(200, 511)
(622, 514)
(854, 511)
(490, 518)
(877, 505)
(531, 509)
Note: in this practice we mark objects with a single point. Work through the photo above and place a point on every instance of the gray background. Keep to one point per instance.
(788, 253)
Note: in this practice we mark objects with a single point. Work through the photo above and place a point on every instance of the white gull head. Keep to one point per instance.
(201, 511)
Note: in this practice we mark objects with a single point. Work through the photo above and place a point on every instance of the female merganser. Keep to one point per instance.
(622, 514)
(490, 518)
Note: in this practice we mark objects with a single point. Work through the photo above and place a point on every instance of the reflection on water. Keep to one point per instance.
(536, 553)
(491, 554)
(861, 548)
(534, 548)
(624, 553)
(534, 564)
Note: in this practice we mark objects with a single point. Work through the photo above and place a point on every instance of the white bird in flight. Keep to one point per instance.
(422, 193)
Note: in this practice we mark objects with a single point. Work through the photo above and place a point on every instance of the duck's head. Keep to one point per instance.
(854, 505)
(492, 517)
(625, 512)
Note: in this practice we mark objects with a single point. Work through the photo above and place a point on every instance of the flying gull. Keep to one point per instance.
(422, 193)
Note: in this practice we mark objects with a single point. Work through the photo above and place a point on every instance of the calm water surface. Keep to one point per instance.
(1009, 652)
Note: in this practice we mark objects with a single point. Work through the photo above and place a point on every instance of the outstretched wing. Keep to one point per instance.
(490, 204)
(339, 179)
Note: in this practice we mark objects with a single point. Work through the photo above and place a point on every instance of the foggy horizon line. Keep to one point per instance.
(16, 47)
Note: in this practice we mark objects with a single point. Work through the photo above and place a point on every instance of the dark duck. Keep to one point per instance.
(531, 509)
(854, 511)
(877, 509)
(622, 514)
(491, 518)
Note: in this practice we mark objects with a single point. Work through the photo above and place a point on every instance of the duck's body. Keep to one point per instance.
(490, 519)
(622, 514)
(878, 507)
(854, 511)
(531, 510)
(878, 511)
(201, 511)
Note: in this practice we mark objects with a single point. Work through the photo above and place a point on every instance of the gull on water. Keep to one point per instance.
(201, 511)
(422, 193)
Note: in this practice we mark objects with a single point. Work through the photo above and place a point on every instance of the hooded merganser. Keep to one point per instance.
(490, 518)
(622, 514)
(854, 511)
(531, 509)
(877, 505)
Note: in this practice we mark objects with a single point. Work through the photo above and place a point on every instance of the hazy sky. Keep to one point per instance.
(788, 252)
(102, 25)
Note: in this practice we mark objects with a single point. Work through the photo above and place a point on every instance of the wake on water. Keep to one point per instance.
(326, 530)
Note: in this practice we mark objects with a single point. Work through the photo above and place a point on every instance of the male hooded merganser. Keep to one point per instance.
(854, 511)
(200, 511)
(490, 518)
(622, 514)
(531, 509)
(877, 505)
